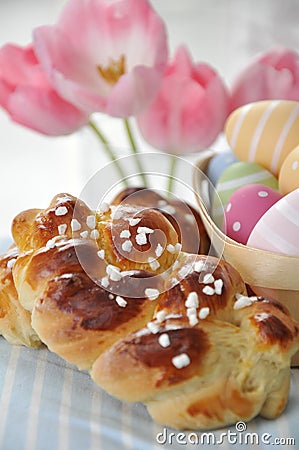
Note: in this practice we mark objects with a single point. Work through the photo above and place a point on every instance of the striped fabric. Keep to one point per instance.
(47, 404)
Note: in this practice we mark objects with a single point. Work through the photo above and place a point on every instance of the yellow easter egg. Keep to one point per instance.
(264, 132)
(289, 173)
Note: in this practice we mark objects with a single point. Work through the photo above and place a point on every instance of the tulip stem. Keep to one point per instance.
(109, 151)
(135, 150)
(171, 173)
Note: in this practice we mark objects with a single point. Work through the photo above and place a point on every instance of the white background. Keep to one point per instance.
(224, 33)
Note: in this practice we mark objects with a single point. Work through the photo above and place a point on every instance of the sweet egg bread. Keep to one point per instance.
(15, 321)
(184, 218)
(75, 297)
(211, 357)
(112, 291)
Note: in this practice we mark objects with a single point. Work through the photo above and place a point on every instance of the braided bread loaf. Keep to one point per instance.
(211, 355)
(112, 292)
(15, 321)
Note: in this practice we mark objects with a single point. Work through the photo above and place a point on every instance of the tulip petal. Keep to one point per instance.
(190, 109)
(92, 36)
(273, 75)
(29, 98)
(44, 111)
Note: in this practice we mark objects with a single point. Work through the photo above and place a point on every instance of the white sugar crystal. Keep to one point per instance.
(193, 320)
(159, 250)
(62, 229)
(160, 316)
(191, 311)
(91, 222)
(181, 361)
(192, 300)
(104, 207)
(84, 234)
(121, 301)
(173, 326)
(261, 316)
(208, 278)
(111, 296)
(218, 284)
(101, 254)
(51, 243)
(105, 282)
(113, 273)
(170, 248)
(75, 225)
(153, 327)
(133, 222)
(154, 264)
(243, 301)
(164, 340)
(127, 246)
(178, 247)
(204, 312)
(141, 239)
(208, 290)
(11, 263)
(198, 266)
(94, 234)
(151, 293)
(173, 316)
(61, 211)
(145, 230)
(125, 234)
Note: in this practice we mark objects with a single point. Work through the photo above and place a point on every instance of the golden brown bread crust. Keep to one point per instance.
(202, 353)
(237, 359)
(79, 320)
(15, 321)
(66, 285)
(183, 217)
(141, 254)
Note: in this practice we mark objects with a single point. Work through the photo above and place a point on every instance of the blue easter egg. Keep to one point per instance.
(218, 164)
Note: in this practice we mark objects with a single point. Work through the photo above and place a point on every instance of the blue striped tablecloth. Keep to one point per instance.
(47, 404)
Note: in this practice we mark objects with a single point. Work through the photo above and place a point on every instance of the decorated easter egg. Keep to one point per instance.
(264, 132)
(244, 209)
(235, 176)
(218, 164)
(278, 229)
(288, 179)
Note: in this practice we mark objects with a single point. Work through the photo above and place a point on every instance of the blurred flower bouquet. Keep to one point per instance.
(111, 57)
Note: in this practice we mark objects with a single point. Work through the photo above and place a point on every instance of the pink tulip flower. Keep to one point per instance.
(272, 75)
(29, 98)
(103, 55)
(190, 109)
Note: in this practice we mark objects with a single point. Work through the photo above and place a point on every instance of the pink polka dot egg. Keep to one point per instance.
(245, 208)
(277, 230)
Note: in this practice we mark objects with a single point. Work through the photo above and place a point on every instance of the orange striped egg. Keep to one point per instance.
(264, 132)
